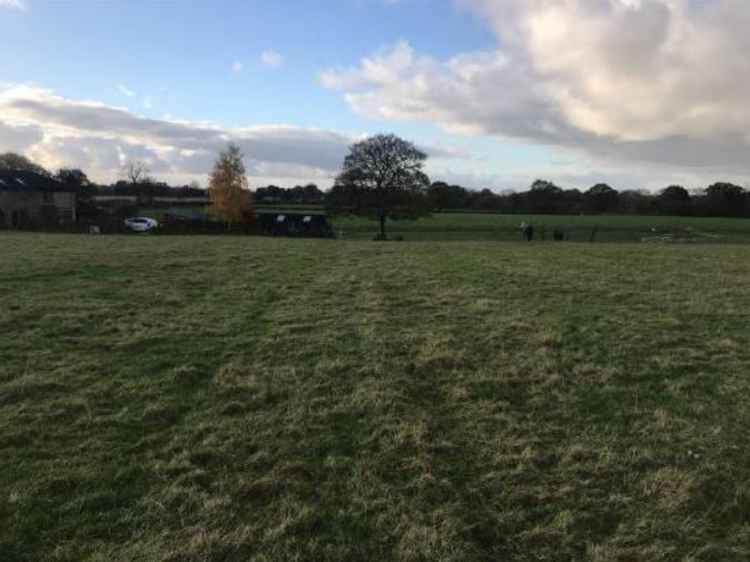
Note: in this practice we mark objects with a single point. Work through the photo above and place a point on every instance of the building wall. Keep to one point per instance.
(65, 203)
(19, 209)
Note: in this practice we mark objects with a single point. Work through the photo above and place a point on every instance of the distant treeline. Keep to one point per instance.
(544, 197)
(149, 188)
(308, 194)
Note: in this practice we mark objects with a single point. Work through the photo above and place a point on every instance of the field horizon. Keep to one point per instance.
(443, 226)
(203, 398)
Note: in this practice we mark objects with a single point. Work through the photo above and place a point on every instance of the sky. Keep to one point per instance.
(640, 94)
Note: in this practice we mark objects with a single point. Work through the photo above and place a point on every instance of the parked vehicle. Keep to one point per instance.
(141, 224)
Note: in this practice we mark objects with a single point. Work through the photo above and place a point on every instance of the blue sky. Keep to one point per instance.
(469, 80)
(180, 53)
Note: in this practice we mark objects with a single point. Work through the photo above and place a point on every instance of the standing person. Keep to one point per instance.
(527, 231)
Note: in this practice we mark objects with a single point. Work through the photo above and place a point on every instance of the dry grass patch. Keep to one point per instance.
(329, 401)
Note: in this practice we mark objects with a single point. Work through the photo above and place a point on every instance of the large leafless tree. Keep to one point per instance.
(382, 178)
(136, 172)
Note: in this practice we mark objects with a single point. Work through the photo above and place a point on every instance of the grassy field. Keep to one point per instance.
(494, 227)
(613, 228)
(227, 399)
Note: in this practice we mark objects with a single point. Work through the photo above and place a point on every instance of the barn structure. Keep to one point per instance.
(295, 223)
(30, 200)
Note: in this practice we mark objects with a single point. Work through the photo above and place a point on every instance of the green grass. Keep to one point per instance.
(614, 228)
(229, 398)
(469, 226)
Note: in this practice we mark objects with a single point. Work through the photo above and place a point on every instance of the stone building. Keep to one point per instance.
(29, 200)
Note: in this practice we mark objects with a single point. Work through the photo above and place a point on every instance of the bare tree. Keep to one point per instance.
(136, 172)
(382, 178)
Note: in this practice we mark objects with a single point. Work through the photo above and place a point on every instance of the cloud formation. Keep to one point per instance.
(272, 59)
(13, 4)
(657, 81)
(57, 131)
(125, 91)
(100, 139)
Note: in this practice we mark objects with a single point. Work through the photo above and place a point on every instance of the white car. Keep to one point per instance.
(141, 224)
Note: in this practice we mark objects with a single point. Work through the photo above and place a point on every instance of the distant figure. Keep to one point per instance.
(527, 231)
(558, 235)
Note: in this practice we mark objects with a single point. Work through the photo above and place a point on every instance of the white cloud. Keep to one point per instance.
(237, 67)
(19, 137)
(13, 4)
(662, 82)
(57, 131)
(272, 59)
(125, 91)
(636, 70)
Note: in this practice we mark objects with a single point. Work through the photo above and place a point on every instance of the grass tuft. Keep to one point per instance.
(227, 399)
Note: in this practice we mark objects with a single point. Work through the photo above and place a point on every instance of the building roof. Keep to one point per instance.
(291, 212)
(16, 180)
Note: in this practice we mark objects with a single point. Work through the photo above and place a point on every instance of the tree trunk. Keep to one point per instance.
(382, 225)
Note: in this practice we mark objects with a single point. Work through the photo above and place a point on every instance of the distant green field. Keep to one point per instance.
(488, 226)
(615, 228)
(262, 399)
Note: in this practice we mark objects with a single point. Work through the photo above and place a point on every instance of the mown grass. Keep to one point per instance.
(578, 228)
(468, 226)
(200, 398)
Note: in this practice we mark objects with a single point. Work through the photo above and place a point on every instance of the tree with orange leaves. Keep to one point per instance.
(230, 198)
